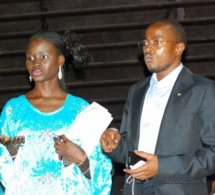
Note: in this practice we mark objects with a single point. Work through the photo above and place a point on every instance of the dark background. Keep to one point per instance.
(110, 29)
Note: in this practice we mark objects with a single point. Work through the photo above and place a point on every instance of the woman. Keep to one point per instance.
(44, 113)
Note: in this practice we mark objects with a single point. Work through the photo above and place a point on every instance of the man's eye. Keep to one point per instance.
(30, 58)
(145, 43)
(157, 42)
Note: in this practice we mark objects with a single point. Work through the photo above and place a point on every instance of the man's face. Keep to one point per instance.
(160, 50)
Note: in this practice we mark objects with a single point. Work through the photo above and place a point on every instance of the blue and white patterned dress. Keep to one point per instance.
(36, 169)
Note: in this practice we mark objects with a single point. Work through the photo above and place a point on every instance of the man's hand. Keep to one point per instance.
(213, 188)
(147, 170)
(109, 140)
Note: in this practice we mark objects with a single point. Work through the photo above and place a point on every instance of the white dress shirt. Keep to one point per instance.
(153, 109)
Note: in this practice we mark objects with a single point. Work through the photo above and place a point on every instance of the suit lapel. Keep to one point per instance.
(178, 99)
(138, 100)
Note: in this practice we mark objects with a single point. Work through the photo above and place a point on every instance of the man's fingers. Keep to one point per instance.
(104, 144)
(105, 139)
(117, 137)
(109, 140)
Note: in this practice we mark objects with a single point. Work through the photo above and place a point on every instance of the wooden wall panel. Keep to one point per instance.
(110, 30)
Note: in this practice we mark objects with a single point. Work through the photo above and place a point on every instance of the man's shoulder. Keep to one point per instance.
(188, 76)
(202, 79)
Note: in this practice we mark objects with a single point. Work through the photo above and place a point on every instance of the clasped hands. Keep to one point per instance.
(109, 142)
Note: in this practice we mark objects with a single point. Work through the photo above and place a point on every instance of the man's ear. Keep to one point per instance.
(61, 60)
(180, 47)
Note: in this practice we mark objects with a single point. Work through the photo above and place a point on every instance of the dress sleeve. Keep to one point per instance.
(7, 176)
(8, 121)
(100, 169)
(6, 168)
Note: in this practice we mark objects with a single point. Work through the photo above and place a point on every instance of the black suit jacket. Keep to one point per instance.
(186, 140)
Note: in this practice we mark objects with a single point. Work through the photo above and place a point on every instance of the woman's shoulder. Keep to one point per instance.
(76, 99)
(76, 102)
(14, 107)
(16, 101)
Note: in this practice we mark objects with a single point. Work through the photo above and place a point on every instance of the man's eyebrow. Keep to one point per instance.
(156, 36)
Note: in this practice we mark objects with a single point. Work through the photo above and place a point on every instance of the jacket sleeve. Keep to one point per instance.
(119, 154)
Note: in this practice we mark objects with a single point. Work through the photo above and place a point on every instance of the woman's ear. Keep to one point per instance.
(61, 60)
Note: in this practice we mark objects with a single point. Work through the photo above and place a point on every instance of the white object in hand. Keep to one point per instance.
(138, 164)
(89, 125)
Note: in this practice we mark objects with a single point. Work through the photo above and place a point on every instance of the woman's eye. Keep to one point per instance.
(45, 57)
(30, 58)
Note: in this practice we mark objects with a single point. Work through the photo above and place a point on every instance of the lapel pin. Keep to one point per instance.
(179, 94)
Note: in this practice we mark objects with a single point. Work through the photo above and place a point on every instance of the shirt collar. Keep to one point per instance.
(167, 81)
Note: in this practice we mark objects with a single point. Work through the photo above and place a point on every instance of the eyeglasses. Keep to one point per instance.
(154, 42)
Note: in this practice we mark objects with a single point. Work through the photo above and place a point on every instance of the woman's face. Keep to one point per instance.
(42, 60)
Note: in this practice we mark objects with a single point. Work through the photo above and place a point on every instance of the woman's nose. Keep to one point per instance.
(37, 62)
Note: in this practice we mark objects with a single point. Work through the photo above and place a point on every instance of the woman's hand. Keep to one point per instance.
(12, 144)
(5, 140)
(69, 150)
(73, 153)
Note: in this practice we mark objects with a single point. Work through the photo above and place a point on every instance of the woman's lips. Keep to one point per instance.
(36, 72)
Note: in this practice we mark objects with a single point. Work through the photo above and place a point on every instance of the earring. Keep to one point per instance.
(60, 73)
(30, 78)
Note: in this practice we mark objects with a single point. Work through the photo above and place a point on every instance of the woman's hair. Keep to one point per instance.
(67, 45)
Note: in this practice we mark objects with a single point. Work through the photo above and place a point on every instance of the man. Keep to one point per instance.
(168, 119)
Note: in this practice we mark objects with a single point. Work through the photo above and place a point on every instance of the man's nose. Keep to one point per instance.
(147, 48)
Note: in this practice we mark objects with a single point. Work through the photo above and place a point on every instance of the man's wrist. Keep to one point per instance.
(113, 128)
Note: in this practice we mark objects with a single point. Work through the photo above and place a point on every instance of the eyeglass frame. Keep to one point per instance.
(153, 42)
